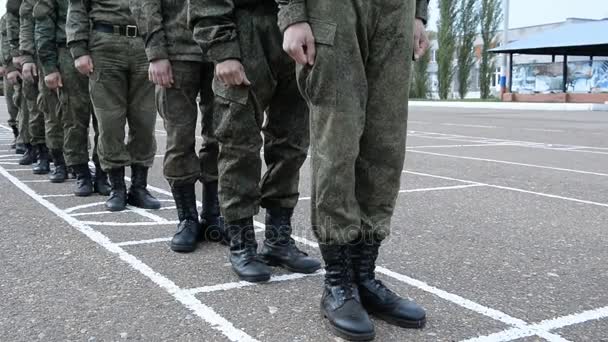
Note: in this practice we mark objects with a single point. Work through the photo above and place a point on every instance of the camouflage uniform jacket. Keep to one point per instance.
(50, 17)
(164, 26)
(83, 13)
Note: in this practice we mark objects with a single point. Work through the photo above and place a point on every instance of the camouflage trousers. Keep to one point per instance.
(357, 91)
(48, 104)
(76, 111)
(13, 110)
(121, 93)
(31, 118)
(179, 109)
(241, 109)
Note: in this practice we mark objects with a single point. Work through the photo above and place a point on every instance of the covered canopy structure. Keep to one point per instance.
(586, 38)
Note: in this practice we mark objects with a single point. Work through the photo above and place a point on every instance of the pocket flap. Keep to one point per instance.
(324, 32)
(238, 94)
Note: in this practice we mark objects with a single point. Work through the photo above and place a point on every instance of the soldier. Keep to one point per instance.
(74, 111)
(41, 101)
(254, 75)
(15, 78)
(181, 74)
(354, 71)
(9, 89)
(107, 46)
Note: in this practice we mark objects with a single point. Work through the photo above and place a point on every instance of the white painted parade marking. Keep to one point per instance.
(203, 311)
(455, 187)
(241, 284)
(58, 195)
(34, 180)
(467, 125)
(511, 189)
(18, 170)
(6, 151)
(544, 130)
(8, 156)
(544, 326)
(143, 242)
(457, 146)
(147, 214)
(129, 224)
(83, 206)
(520, 143)
(511, 163)
(8, 163)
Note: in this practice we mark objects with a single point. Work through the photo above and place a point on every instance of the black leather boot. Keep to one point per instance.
(60, 172)
(188, 230)
(340, 303)
(280, 249)
(377, 299)
(84, 186)
(20, 148)
(243, 252)
(43, 165)
(118, 195)
(15, 136)
(138, 195)
(29, 157)
(212, 221)
(101, 185)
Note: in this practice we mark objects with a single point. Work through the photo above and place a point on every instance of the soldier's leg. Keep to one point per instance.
(382, 152)
(109, 88)
(13, 111)
(54, 129)
(336, 91)
(76, 104)
(178, 108)
(211, 220)
(29, 157)
(38, 108)
(141, 116)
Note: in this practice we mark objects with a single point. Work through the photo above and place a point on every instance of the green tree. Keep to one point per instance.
(446, 38)
(491, 17)
(468, 22)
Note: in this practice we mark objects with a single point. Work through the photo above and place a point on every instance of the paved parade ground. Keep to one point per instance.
(500, 232)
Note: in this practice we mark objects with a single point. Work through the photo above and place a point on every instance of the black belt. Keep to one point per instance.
(121, 30)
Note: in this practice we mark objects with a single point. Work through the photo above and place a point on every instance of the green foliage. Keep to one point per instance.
(491, 17)
(446, 36)
(468, 22)
(420, 79)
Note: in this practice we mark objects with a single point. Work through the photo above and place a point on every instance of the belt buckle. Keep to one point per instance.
(131, 31)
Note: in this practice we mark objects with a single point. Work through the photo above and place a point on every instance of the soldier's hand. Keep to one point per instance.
(421, 39)
(13, 77)
(299, 43)
(30, 72)
(19, 61)
(84, 64)
(2, 71)
(160, 73)
(53, 81)
(232, 73)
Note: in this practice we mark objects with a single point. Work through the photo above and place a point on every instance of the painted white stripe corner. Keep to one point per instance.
(203, 311)
(241, 284)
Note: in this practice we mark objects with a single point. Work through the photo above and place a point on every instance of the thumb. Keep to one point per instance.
(246, 80)
(34, 71)
(60, 82)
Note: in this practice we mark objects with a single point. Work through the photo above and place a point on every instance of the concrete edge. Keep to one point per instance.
(513, 105)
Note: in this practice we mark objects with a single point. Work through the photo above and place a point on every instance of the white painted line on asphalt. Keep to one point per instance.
(544, 326)
(511, 163)
(8, 163)
(457, 146)
(467, 125)
(7, 151)
(203, 311)
(520, 143)
(129, 224)
(59, 195)
(95, 213)
(8, 155)
(513, 189)
(35, 180)
(544, 130)
(19, 170)
(455, 187)
(142, 242)
(241, 284)
(83, 206)
(147, 214)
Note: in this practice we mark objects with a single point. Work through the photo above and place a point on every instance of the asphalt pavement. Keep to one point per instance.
(500, 232)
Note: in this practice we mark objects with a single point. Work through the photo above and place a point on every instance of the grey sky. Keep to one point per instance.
(536, 12)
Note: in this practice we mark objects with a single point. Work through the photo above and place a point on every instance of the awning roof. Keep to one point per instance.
(575, 39)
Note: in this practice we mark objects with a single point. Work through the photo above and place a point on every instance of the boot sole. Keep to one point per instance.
(82, 194)
(349, 336)
(183, 248)
(41, 172)
(57, 180)
(271, 262)
(115, 209)
(144, 207)
(407, 324)
(254, 279)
